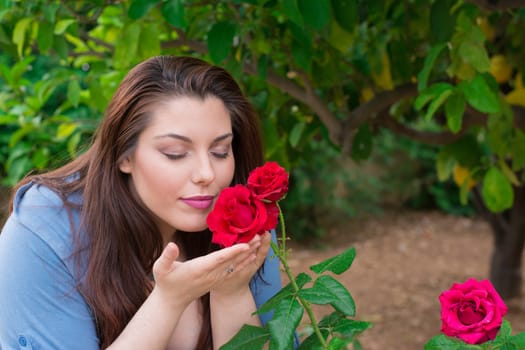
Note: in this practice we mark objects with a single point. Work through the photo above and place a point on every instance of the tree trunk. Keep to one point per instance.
(508, 228)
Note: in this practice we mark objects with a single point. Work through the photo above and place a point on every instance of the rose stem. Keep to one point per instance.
(282, 255)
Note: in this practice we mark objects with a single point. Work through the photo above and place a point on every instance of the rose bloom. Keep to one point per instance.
(472, 311)
(238, 216)
(268, 182)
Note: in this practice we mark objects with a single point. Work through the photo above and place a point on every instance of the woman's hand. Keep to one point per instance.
(179, 283)
(239, 277)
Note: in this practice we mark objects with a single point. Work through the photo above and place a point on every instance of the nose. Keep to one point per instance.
(203, 172)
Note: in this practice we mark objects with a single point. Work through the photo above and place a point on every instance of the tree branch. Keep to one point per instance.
(309, 98)
(498, 5)
(183, 40)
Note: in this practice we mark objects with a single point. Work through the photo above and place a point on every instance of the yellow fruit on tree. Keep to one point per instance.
(486, 28)
(518, 82)
(366, 94)
(461, 174)
(500, 68)
(383, 79)
(516, 97)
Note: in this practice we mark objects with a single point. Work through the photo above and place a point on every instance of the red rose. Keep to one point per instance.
(238, 216)
(472, 311)
(268, 182)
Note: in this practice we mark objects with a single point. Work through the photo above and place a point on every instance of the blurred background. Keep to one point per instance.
(401, 123)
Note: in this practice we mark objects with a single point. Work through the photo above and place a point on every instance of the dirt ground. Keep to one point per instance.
(404, 261)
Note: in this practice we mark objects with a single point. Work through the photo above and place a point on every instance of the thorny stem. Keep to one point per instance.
(281, 254)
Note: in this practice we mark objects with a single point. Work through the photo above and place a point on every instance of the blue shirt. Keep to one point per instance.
(40, 308)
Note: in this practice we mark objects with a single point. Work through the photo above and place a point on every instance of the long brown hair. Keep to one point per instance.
(118, 239)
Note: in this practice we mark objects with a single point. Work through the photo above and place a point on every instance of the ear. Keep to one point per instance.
(125, 165)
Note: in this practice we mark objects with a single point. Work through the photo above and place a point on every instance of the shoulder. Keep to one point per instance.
(41, 211)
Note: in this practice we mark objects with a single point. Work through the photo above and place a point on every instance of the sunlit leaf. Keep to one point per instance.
(19, 33)
(62, 25)
(497, 191)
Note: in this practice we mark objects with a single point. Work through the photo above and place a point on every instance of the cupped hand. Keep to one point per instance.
(239, 276)
(182, 282)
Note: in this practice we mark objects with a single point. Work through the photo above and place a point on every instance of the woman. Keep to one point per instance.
(112, 250)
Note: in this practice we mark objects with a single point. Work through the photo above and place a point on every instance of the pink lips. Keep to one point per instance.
(199, 202)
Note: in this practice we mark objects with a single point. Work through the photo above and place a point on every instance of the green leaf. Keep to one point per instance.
(316, 14)
(19, 33)
(249, 337)
(149, 42)
(20, 134)
(174, 13)
(72, 144)
(518, 340)
(430, 59)
(295, 134)
(291, 10)
(442, 22)
(16, 170)
(45, 36)
(454, 110)
(65, 130)
(442, 342)
(431, 93)
(346, 13)
(285, 292)
(302, 55)
(312, 342)
(97, 97)
(497, 191)
(40, 158)
(62, 25)
(284, 323)
(351, 328)
(507, 171)
(480, 96)
(475, 54)
(436, 103)
(126, 46)
(60, 46)
(337, 264)
(139, 8)
(220, 40)
(362, 143)
(338, 343)
(73, 92)
(341, 299)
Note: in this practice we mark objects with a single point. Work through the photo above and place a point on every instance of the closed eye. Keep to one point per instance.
(220, 155)
(175, 156)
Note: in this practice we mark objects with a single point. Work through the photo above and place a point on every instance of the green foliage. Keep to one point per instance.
(334, 331)
(329, 73)
(503, 340)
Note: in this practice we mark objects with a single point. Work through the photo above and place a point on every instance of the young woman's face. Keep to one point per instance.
(182, 161)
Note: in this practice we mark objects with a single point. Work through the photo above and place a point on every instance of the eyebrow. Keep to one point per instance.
(188, 140)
